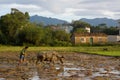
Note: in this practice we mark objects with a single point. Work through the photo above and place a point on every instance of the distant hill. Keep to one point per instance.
(96, 21)
(54, 21)
(46, 21)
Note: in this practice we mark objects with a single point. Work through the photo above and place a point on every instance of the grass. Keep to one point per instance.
(112, 50)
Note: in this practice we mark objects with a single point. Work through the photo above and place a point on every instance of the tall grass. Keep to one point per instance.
(112, 51)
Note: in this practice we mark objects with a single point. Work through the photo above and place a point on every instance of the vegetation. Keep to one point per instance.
(109, 50)
(103, 28)
(16, 29)
(78, 26)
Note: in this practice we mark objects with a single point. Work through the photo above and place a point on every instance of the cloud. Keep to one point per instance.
(65, 9)
(22, 7)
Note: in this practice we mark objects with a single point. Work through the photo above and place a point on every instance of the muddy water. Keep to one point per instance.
(76, 67)
(35, 76)
(80, 73)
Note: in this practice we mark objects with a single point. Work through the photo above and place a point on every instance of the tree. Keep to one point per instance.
(27, 15)
(103, 25)
(9, 23)
(80, 30)
(60, 38)
(47, 38)
(61, 35)
(111, 31)
(30, 34)
(2, 38)
(79, 24)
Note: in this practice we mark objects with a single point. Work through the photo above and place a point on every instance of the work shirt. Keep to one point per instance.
(23, 51)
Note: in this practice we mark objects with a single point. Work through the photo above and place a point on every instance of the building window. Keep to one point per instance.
(82, 39)
(99, 39)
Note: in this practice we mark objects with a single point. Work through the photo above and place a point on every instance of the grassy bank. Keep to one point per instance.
(111, 50)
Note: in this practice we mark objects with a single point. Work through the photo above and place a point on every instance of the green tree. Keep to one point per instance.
(79, 24)
(9, 23)
(96, 29)
(2, 38)
(111, 31)
(80, 30)
(47, 39)
(60, 38)
(30, 34)
(61, 35)
(103, 25)
(27, 15)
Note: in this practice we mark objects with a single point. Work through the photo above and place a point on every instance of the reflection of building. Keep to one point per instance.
(85, 38)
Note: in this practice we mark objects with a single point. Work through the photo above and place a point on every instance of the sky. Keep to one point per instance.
(65, 9)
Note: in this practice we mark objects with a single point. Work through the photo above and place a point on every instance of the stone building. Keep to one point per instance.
(95, 38)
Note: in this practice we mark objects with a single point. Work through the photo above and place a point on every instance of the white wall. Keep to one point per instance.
(113, 38)
(88, 29)
(118, 38)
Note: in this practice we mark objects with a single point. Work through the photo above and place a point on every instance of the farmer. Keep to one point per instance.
(23, 54)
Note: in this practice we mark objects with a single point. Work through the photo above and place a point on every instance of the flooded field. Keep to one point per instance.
(76, 66)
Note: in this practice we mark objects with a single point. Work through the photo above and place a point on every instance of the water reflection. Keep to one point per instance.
(2, 78)
(35, 77)
(58, 71)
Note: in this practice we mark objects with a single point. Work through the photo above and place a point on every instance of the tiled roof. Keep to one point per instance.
(89, 34)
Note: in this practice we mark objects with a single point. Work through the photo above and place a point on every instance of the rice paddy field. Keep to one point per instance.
(101, 50)
(80, 63)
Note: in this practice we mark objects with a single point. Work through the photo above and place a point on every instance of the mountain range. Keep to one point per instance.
(97, 21)
(46, 20)
(55, 21)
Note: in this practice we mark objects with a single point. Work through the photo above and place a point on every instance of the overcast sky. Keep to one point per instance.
(65, 9)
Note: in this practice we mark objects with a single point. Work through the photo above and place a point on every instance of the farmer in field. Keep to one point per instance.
(23, 54)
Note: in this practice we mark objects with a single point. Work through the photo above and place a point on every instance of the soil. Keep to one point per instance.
(76, 66)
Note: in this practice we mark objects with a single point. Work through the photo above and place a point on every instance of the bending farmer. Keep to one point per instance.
(23, 54)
